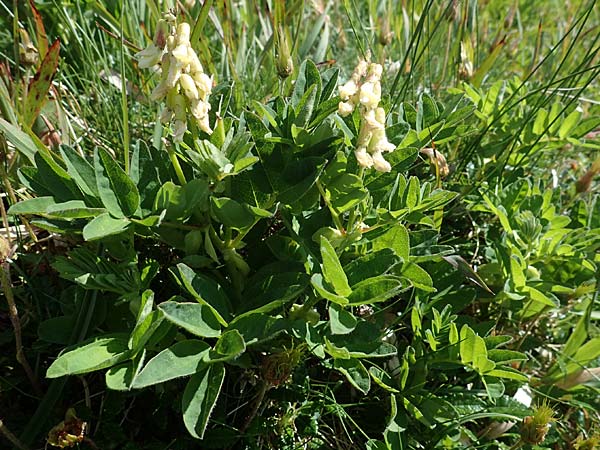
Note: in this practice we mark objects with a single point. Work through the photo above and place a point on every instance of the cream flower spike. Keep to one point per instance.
(363, 90)
(183, 84)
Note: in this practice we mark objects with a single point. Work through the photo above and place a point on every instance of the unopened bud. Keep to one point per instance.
(284, 63)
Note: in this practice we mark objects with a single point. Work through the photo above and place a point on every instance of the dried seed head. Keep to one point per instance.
(278, 367)
(69, 432)
(534, 428)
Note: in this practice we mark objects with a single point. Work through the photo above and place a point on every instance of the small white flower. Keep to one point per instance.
(199, 109)
(183, 34)
(375, 71)
(379, 163)
(188, 86)
(204, 125)
(360, 71)
(203, 82)
(180, 53)
(195, 65)
(345, 108)
(173, 73)
(348, 90)
(149, 57)
(363, 157)
(372, 121)
(370, 94)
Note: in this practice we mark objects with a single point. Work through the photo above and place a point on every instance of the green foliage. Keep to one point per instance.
(260, 285)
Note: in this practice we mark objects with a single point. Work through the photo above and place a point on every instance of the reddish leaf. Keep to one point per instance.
(42, 38)
(40, 85)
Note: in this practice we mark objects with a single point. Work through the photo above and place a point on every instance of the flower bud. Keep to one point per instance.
(28, 54)
(284, 63)
(188, 86)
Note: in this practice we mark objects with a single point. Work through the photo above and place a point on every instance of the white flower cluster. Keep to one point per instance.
(183, 83)
(364, 90)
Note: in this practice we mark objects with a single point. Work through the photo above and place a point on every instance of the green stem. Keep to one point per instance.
(176, 165)
(334, 214)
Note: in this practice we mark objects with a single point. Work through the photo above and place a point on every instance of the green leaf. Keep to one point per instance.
(473, 351)
(266, 292)
(539, 124)
(180, 202)
(471, 345)
(345, 191)
(381, 378)
(317, 282)
(54, 178)
(80, 170)
(120, 377)
(413, 196)
(37, 205)
(355, 372)
(371, 265)
(587, 353)
(73, 209)
(504, 356)
(569, 124)
(23, 143)
(229, 346)
(308, 75)
(395, 428)
(181, 359)
(376, 289)
(196, 318)
(332, 269)
(418, 277)
(104, 225)
(39, 86)
(231, 213)
(505, 373)
(148, 322)
(117, 192)
(205, 290)
(340, 320)
(306, 106)
(200, 397)
(395, 238)
(94, 354)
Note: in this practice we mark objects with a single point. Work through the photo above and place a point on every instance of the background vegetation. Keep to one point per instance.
(495, 311)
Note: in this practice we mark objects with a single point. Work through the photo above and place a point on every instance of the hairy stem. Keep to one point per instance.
(16, 323)
(11, 437)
